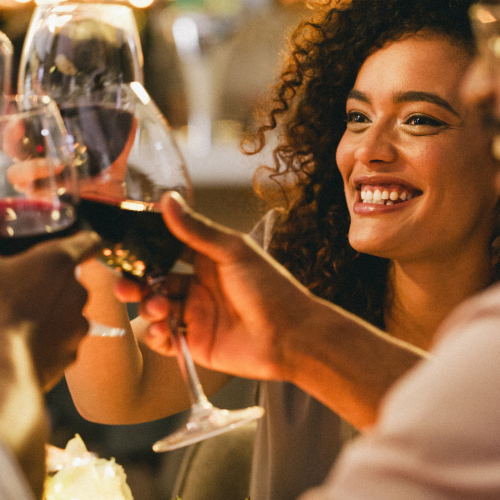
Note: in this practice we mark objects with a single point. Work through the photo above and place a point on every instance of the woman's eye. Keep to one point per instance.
(423, 120)
(356, 117)
(356, 121)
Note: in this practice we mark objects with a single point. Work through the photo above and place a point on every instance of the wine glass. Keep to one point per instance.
(38, 182)
(74, 48)
(79, 47)
(129, 162)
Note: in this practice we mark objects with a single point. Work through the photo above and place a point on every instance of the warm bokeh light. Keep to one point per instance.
(141, 4)
(13, 4)
(484, 15)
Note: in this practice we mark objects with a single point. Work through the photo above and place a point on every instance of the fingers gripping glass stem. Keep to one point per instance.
(186, 364)
(205, 419)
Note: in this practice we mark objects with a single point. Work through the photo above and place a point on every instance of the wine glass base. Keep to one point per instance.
(205, 424)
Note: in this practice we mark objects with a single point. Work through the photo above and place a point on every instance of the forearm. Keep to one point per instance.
(112, 379)
(345, 362)
(119, 380)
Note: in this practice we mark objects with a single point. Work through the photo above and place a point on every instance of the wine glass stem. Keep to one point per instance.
(186, 363)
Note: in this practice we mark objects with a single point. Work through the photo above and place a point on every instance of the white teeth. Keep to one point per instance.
(384, 197)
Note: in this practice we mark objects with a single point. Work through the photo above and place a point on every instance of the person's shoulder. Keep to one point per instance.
(481, 308)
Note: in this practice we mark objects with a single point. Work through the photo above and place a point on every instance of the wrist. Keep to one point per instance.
(303, 340)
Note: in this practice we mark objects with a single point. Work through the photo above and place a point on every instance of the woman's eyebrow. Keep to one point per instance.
(359, 96)
(409, 96)
(414, 96)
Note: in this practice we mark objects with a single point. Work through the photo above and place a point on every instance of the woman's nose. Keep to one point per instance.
(376, 146)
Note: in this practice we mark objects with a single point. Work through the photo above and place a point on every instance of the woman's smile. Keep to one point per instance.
(379, 194)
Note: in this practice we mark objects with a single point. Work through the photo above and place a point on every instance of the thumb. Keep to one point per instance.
(197, 231)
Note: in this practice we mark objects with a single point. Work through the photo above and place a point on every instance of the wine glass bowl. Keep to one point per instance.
(77, 47)
(121, 189)
(38, 182)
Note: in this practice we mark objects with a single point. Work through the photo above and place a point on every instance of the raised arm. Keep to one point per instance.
(248, 316)
(119, 380)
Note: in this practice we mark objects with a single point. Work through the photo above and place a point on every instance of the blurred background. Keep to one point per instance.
(207, 64)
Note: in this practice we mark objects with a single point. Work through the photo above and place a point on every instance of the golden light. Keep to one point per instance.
(484, 15)
(13, 4)
(141, 4)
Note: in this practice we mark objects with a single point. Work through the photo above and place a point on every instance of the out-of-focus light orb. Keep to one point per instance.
(141, 4)
(186, 34)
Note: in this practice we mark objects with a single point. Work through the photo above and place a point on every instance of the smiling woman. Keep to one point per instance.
(394, 207)
(393, 210)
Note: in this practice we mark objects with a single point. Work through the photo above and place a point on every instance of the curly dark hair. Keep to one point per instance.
(308, 110)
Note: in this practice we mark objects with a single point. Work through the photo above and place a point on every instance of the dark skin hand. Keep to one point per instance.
(246, 315)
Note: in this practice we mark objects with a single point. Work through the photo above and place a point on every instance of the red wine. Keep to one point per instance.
(137, 241)
(23, 223)
(100, 134)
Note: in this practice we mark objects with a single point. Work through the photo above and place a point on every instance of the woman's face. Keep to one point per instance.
(418, 175)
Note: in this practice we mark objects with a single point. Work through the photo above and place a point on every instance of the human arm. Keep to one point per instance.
(41, 325)
(120, 380)
(437, 435)
(248, 316)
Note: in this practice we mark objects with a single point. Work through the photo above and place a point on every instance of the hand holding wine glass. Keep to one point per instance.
(38, 202)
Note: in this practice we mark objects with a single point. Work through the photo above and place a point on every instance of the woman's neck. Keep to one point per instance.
(421, 295)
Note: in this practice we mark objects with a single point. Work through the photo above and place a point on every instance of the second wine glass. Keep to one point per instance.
(38, 182)
(120, 194)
